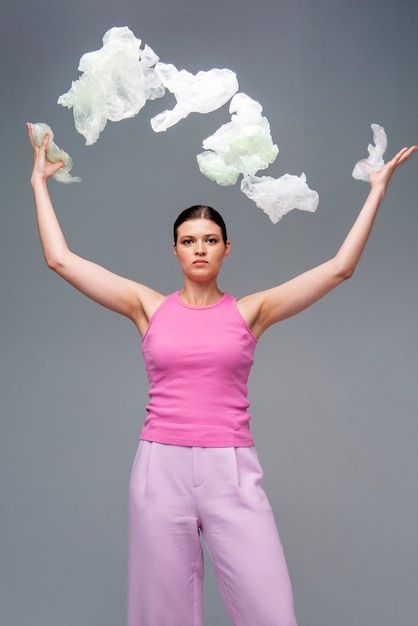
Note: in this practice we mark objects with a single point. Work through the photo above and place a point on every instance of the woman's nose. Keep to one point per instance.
(200, 248)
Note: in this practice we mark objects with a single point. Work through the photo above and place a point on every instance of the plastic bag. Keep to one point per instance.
(200, 93)
(375, 160)
(278, 196)
(54, 154)
(116, 82)
(242, 146)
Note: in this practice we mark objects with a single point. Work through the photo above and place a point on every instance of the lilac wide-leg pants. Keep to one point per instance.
(178, 492)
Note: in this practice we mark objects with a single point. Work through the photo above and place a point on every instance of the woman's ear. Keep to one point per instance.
(174, 249)
(228, 248)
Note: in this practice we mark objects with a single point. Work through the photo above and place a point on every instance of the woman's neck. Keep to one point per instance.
(197, 294)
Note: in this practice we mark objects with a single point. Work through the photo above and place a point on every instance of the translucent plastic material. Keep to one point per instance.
(212, 166)
(375, 160)
(116, 82)
(200, 93)
(242, 146)
(278, 196)
(54, 154)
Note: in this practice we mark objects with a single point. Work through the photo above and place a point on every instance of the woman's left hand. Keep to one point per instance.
(382, 176)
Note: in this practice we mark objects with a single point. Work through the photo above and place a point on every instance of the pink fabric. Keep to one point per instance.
(198, 361)
(175, 494)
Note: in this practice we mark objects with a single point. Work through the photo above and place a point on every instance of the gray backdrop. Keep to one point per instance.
(333, 393)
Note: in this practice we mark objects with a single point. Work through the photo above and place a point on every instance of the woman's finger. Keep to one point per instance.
(57, 166)
(29, 127)
(403, 155)
(406, 153)
(45, 141)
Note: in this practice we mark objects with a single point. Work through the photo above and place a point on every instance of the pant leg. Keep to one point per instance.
(242, 539)
(165, 561)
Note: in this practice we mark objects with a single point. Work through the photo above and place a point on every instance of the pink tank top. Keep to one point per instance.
(198, 360)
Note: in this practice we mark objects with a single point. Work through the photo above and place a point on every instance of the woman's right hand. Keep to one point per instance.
(42, 168)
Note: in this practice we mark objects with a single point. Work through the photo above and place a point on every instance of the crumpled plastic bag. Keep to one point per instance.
(195, 93)
(116, 82)
(242, 146)
(215, 168)
(374, 161)
(54, 154)
(278, 196)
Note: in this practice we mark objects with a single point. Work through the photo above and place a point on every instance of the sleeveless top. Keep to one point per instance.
(198, 360)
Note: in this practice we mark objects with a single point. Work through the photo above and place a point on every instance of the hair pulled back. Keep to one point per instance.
(199, 211)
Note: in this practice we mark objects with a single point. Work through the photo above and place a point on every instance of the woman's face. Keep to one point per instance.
(200, 248)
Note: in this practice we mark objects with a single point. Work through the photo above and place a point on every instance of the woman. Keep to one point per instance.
(196, 470)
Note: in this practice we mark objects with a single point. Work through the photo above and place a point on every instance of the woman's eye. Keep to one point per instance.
(187, 242)
(212, 240)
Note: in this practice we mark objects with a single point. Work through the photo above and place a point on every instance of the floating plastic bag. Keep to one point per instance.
(200, 93)
(242, 146)
(278, 196)
(116, 82)
(375, 160)
(54, 154)
(215, 168)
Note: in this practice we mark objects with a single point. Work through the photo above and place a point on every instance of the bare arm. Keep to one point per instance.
(124, 296)
(265, 308)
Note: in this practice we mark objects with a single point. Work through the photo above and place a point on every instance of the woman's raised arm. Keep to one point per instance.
(124, 296)
(265, 308)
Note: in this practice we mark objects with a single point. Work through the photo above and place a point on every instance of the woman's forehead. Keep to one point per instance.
(198, 225)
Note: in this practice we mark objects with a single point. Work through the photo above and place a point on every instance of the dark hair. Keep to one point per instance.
(198, 211)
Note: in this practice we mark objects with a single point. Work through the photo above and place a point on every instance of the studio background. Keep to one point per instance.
(333, 392)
